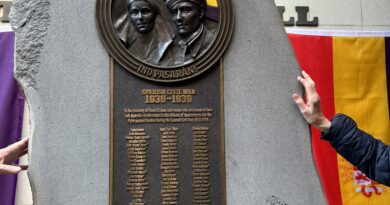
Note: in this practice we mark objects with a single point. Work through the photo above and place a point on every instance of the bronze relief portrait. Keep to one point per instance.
(165, 40)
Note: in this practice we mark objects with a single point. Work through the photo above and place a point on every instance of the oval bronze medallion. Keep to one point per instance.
(165, 40)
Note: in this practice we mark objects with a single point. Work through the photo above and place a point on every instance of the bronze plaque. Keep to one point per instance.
(167, 139)
(167, 142)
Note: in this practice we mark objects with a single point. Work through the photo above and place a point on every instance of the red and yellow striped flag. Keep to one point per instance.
(352, 75)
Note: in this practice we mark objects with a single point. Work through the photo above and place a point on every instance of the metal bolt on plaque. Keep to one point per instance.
(167, 128)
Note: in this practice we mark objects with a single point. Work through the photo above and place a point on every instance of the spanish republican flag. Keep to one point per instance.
(352, 75)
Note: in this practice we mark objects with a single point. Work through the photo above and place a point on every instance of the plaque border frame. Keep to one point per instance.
(116, 50)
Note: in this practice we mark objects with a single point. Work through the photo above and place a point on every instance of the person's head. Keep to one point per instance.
(187, 14)
(142, 14)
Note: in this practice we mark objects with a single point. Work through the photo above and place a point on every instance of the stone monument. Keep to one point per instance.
(162, 102)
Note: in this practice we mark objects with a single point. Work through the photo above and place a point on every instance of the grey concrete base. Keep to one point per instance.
(64, 71)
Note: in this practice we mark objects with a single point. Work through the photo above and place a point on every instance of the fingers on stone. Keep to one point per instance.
(299, 101)
(23, 167)
(20, 154)
(16, 147)
(308, 79)
(9, 169)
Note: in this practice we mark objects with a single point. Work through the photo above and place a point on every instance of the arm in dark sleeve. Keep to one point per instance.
(369, 155)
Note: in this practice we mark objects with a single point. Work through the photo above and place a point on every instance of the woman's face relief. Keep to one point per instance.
(142, 15)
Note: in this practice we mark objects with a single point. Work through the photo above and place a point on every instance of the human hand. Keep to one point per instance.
(12, 153)
(311, 109)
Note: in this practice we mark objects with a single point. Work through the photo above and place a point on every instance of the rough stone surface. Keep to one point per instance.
(64, 71)
(30, 21)
(268, 152)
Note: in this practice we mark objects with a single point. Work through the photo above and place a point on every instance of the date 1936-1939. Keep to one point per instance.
(161, 99)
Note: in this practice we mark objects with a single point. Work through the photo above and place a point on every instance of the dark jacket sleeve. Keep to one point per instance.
(369, 155)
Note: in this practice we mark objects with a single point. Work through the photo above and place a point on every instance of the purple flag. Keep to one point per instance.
(11, 112)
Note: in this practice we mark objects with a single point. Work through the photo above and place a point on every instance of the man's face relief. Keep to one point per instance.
(187, 17)
(142, 16)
